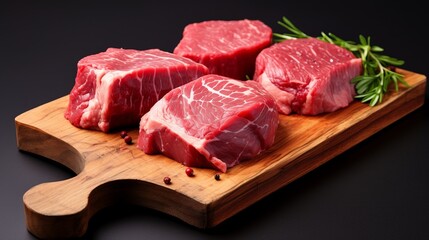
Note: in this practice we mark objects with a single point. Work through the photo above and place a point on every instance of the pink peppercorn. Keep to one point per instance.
(167, 180)
(124, 134)
(128, 140)
(189, 171)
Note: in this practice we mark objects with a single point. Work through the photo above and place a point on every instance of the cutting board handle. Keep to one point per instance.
(59, 209)
(63, 209)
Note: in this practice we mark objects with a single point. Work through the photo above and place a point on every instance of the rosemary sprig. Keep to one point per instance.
(378, 69)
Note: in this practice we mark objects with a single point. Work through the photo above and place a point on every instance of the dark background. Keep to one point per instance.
(376, 190)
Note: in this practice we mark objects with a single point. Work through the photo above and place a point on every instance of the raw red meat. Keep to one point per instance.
(227, 48)
(213, 122)
(308, 76)
(115, 88)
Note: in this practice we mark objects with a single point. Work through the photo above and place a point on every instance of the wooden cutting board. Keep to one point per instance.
(108, 171)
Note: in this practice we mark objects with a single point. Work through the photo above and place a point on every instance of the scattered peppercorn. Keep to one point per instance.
(217, 177)
(190, 172)
(124, 134)
(128, 140)
(167, 180)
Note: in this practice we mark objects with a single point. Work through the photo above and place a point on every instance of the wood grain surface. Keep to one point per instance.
(108, 171)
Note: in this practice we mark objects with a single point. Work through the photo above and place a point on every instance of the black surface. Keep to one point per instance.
(376, 190)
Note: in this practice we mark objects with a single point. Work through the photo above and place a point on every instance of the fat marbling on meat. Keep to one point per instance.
(115, 88)
(308, 76)
(212, 122)
(227, 47)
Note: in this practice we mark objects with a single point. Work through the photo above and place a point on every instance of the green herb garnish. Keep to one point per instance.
(378, 69)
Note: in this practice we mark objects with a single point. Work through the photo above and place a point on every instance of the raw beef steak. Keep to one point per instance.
(115, 88)
(308, 76)
(213, 122)
(227, 48)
